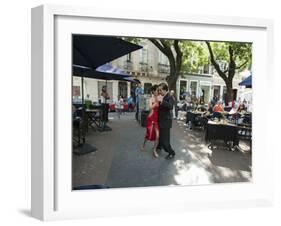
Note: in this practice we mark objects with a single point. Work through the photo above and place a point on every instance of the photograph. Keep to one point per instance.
(160, 112)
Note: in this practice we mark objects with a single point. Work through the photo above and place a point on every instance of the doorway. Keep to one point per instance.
(205, 93)
(123, 89)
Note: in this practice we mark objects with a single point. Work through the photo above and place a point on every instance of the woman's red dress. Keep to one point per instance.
(152, 123)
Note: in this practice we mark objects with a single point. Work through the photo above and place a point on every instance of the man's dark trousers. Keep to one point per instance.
(164, 140)
(165, 123)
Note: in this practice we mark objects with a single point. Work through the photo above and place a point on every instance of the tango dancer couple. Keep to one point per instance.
(159, 120)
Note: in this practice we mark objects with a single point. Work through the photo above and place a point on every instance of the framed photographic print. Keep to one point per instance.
(134, 112)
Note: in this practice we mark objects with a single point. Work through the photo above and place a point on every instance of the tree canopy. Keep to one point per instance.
(238, 57)
(240, 53)
(195, 55)
(186, 56)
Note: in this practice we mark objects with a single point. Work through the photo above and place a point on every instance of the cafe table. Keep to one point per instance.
(221, 130)
(192, 115)
(94, 117)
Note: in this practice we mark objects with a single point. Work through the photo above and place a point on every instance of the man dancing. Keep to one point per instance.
(165, 118)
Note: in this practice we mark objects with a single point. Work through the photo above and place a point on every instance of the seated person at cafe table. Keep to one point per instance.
(195, 118)
(210, 111)
(240, 113)
(207, 115)
(218, 107)
(241, 109)
(218, 110)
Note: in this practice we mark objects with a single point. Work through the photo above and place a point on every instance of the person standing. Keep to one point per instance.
(104, 97)
(138, 92)
(131, 103)
(172, 92)
(119, 106)
(152, 126)
(165, 120)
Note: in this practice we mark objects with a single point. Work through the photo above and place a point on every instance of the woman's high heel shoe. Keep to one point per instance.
(155, 155)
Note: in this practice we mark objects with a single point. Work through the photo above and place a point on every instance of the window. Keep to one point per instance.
(163, 64)
(223, 65)
(76, 91)
(123, 89)
(128, 65)
(193, 88)
(205, 94)
(206, 69)
(143, 60)
(147, 87)
(212, 69)
(133, 88)
(129, 57)
(217, 90)
(163, 59)
(200, 70)
(144, 56)
(183, 88)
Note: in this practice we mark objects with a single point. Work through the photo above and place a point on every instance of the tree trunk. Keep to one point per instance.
(231, 72)
(175, 60)
(172, 80)
(173, 86)
(229, 91)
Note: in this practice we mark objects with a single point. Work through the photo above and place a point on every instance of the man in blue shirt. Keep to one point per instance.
(139, 91)
(130, 103)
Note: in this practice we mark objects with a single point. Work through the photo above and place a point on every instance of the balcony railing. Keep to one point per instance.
(128, 65)
(163, 68)
(143, 67)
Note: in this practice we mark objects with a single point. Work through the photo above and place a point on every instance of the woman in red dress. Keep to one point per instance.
(152, 126)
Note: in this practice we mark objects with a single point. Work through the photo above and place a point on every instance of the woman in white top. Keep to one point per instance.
(119, 106)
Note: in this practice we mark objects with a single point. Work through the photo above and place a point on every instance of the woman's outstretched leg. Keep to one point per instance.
(143, 144)
(156, 142)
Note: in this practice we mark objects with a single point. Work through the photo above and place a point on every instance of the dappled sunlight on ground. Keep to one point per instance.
(191, 174)
(183, 150)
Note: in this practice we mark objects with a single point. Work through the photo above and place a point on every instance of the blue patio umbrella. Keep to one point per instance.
(130, 79)
(247, 82)
(104, 72)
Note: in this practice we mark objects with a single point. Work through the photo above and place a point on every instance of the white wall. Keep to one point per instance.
(15, 123)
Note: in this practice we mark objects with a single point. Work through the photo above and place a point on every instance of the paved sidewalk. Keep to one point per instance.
(120, 163)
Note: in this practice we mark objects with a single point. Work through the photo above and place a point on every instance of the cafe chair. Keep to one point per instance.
(217, 115)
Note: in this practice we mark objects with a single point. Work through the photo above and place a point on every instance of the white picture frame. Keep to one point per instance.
(52, 197)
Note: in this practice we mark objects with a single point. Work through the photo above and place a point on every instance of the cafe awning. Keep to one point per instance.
(247, 82)
(93, 51)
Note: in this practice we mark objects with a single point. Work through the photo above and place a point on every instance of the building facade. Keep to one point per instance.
(150, 66)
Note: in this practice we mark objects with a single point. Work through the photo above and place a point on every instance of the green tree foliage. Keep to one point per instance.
(238, 57)
(195, 55)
